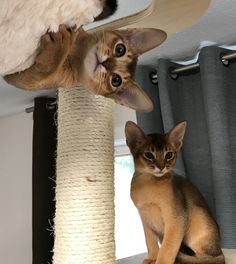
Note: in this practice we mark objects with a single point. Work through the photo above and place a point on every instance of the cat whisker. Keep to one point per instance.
(100, 85)
(99, 88)
(103, 36)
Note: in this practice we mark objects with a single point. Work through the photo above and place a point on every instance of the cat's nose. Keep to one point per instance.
(161, 167)
(106, 63)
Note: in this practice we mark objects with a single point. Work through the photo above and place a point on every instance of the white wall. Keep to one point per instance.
(15, 189)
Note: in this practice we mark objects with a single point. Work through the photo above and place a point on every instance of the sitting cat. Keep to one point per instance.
(104, 62)
(172, 209)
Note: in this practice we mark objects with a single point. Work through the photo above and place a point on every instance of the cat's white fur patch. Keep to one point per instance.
(158, 173)
(22, 23)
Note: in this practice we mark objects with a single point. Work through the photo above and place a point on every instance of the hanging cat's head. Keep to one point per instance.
(155, 153)
(110, 62)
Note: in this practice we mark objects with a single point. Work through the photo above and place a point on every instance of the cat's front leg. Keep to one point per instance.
(151, 242)
(54, 49)
(50, 67)
(173, 237)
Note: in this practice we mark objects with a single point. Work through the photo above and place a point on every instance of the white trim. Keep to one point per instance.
(121, 148)
(120, 142)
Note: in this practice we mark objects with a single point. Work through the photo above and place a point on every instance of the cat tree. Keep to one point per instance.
(84, 222)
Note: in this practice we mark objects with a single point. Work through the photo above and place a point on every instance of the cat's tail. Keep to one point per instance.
(25, 80)
(29, 79)
(186, 259)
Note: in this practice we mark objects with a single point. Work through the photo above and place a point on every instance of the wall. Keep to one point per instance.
(15, 189)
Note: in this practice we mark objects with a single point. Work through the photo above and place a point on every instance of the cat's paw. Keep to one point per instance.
(54, 48)
(149, 261)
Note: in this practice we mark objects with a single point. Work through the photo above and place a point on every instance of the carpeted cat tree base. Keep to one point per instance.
(84, 220)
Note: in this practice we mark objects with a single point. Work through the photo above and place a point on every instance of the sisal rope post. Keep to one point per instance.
(84, 219)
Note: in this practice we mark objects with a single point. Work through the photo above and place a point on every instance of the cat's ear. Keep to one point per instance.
(135, 136)
(143, 39)
(176, 135)
(133, 97)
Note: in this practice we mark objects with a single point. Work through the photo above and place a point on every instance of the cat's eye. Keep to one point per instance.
(148, 155)
(120, 50)
(169, 155)
(116, 80)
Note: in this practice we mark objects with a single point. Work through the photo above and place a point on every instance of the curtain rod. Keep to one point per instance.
(175, 72)
(48, 106)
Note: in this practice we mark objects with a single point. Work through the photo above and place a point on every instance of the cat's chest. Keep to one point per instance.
(150, 197)
(150, 192)
(151, 216)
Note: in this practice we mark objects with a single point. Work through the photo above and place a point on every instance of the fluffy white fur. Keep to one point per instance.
(23, 22)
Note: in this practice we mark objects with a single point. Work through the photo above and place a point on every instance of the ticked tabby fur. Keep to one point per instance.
(172, 209)
(104, 62)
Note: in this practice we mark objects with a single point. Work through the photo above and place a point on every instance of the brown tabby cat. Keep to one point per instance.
(104, 62)
(172, 210)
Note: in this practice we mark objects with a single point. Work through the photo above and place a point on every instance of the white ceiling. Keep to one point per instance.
(217, 25)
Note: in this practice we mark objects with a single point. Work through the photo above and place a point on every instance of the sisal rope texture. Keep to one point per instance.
(84, 219)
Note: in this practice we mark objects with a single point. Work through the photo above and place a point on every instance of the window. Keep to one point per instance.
(129, 231)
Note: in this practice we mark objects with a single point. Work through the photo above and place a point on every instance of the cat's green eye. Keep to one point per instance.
(169, 155)
(148, 155)
(116, 80)
(120, 50)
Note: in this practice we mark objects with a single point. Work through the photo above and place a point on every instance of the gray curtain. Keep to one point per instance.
(206, 99)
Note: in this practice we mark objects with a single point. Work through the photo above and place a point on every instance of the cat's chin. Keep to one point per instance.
(91, 61)
(159, 174)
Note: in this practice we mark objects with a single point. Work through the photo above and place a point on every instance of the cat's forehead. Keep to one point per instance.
(156, 141)
(125, 67)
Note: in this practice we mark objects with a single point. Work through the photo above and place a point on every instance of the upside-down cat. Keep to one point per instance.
(104, 62)
(172, 209)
